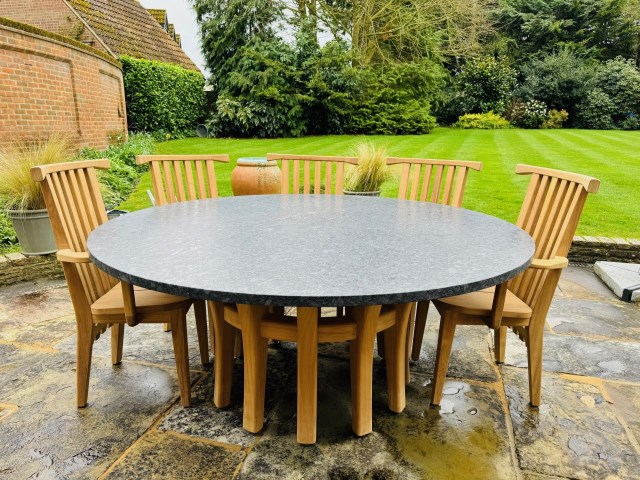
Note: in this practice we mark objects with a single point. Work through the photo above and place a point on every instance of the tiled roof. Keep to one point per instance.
(159, 15)
(172, 31)
(178, 39)
(129, 29)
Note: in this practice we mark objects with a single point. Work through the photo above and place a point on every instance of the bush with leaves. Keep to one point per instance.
(484, 85)
(119, 181)
(529, 114)
(161, 96)
(482, 121)
(596, 111)
(619, 79)
(555, 119)
(7, 233)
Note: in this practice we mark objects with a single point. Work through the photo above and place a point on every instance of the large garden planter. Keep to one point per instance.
(362, 194)
(33, 229)
(256, 176)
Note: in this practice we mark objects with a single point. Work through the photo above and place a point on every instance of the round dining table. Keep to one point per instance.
(311, 251)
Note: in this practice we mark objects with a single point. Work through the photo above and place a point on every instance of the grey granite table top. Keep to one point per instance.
(310, 250)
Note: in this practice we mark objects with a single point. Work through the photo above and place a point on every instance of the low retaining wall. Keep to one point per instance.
(16, 268)
(593, 249)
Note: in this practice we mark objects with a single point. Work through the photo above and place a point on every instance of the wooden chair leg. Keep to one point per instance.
(366, 320)
(200, 311)
(409, 342)
(167, 327)
(224, 339)
(255, 366)
(237, 343)
(534, 356)
(181, 350)
(418, 329)
(445, 342)
(396, 358)
(500, 343)
(84, 350)
(117, 340)
(212, 330)
(307, 340)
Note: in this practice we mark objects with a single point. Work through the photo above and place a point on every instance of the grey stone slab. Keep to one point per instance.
(49, 437)
(471, 357)
(626, 401)
(598, 319)
(224, 425)
(575, 432)
(162, 456)
(25, 304)
(614, 360)
(45, 334)
(466, 437)
(582, 282)
(343, 250)
(144, 343)
(620, 277)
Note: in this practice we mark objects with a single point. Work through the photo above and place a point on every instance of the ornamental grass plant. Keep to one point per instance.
(17, 190)
(372, 170)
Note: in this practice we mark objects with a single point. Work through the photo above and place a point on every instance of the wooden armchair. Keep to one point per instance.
(436, 181)
(75, 206)
(550, 214)
(301, 170)
(178, 178)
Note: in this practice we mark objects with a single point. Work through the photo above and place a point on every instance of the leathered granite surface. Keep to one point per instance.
(310, 250)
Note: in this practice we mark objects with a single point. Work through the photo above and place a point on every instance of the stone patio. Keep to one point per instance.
(134, 427)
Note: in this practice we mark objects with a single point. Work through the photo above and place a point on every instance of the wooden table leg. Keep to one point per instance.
(366, 321)
(307, 373)
(255, 366)
(223, 337)
(396, 358)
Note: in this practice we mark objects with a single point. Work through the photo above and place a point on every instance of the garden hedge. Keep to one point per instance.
(161, 96)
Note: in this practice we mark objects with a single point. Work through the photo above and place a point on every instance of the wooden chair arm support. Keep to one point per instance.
(70, 256)
(550, 263)
(129, 301)
(497, 308)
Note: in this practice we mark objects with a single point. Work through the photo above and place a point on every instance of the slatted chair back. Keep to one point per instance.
(550, 214)
(72, 196)
(436, 181)
(178, 178)
(309, 169)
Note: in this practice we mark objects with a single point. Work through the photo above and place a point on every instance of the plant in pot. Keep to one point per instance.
(371, 172)
(22, 198)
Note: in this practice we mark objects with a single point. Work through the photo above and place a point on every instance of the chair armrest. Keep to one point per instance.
(70, 256)
(550, 263)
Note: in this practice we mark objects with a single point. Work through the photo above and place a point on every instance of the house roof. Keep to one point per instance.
(159, 15)
(127, 28)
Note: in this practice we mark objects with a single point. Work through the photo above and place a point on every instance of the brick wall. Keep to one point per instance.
(59, 18)
(48, 86)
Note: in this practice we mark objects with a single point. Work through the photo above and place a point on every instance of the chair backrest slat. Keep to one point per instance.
(173, 177)
(437, 181)
(72, 196)
(550, 214)
(291, 176)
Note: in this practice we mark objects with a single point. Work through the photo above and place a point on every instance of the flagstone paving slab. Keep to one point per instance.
(626, 402)
(162, 455)
(581, 282)
(224, 425)
(613, 360)
(34, 302)
(48, 437)
(589, 318)
(575, 433)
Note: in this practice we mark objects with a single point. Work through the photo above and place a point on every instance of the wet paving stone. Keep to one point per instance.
(48, 437)
(626, 402)
(43, 335)
(471, 357)
(588, 318)
(575, 432)
(147, 343)
(162, 455)
(224, 425)
(34, 302)
(581, 356)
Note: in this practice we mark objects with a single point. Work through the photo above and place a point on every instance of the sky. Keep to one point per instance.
(182, 15)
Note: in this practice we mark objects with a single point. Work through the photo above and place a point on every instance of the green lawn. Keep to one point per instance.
(611, 156)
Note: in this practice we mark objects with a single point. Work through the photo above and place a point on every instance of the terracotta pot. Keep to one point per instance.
(255, 176)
